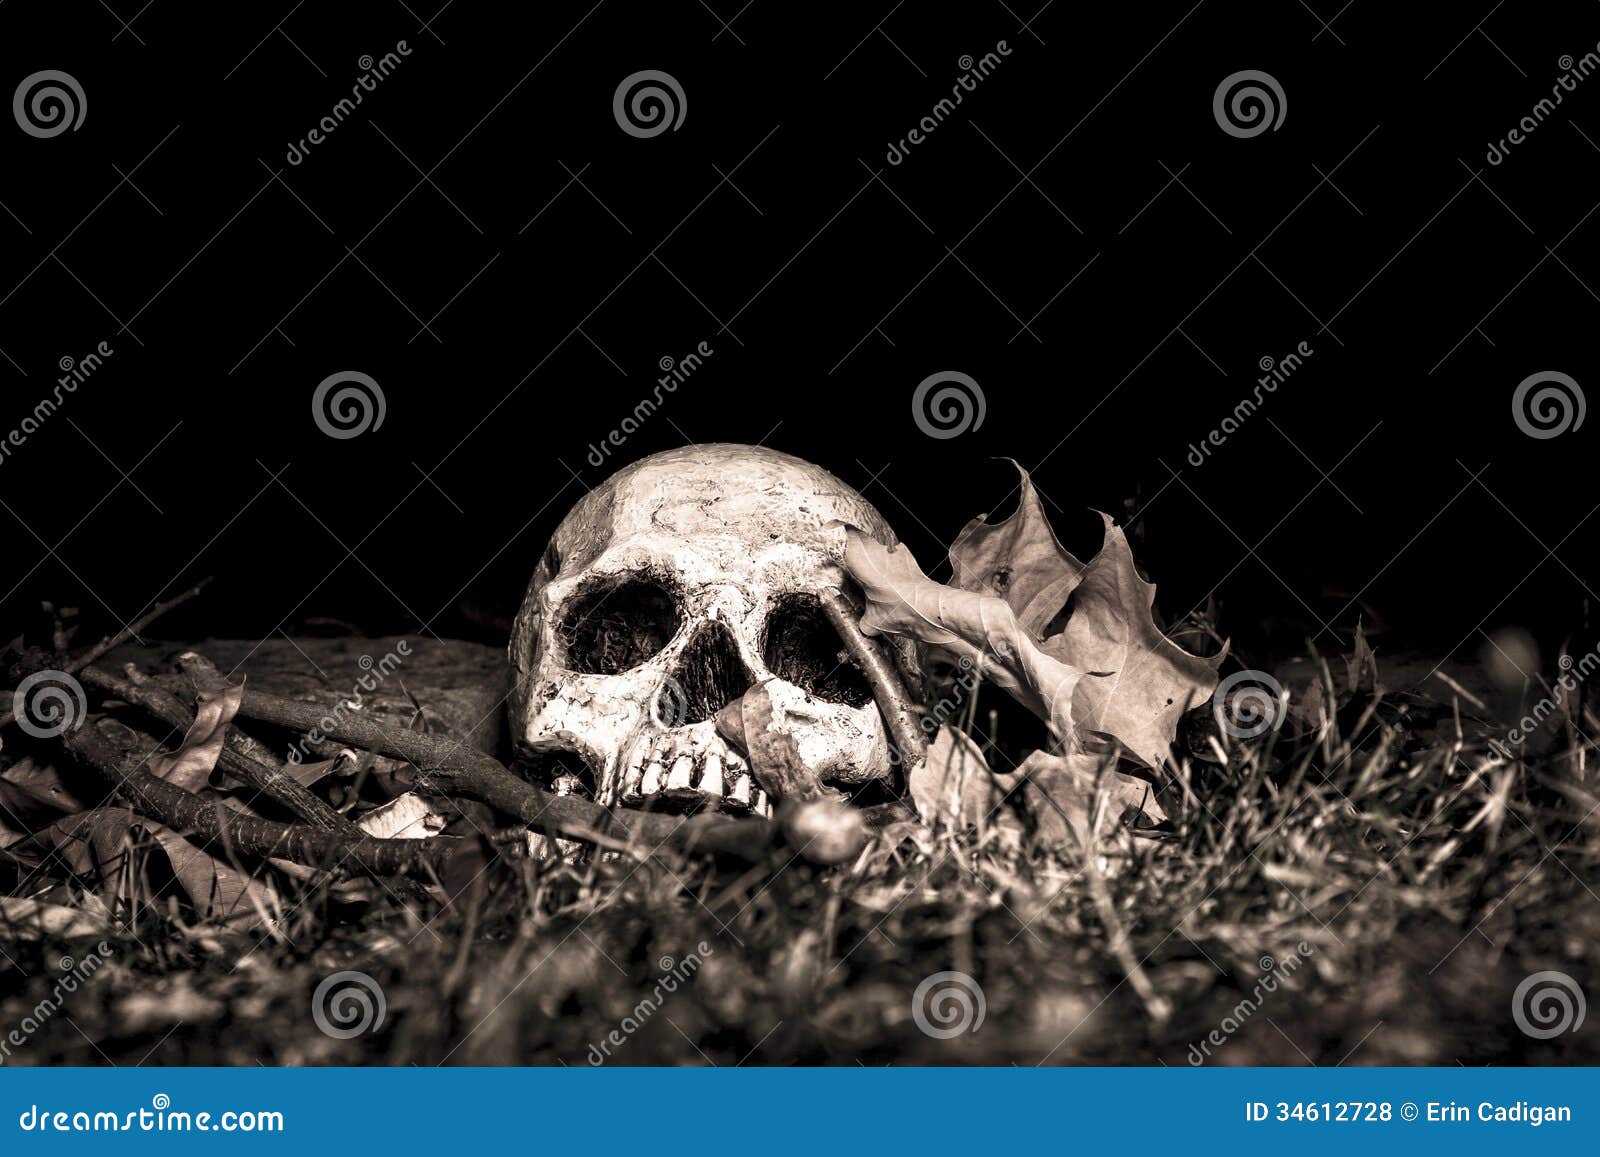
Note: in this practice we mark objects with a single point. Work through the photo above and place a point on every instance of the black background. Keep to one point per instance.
(486, 189)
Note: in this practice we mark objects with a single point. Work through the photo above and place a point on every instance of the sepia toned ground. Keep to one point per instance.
(1368, 889)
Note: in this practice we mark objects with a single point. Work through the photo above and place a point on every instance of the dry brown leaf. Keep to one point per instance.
(1019, 560)
(1073, 797)
(1361, 666)
(94, 843)
(1109, 679)
(954, 783)
(32, 794)
(311, 774)
(1061, 792)
(190, 766)
(409, 816)
(1142, 681)
(773, 751)
(901, 600)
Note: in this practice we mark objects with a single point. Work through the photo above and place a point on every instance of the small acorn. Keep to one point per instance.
(824, 831)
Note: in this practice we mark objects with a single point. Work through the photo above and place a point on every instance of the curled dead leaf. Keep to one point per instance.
(1019, 560)
(982, 629)
(409, 816)
(1142, 682)
(1076, 798)
(954, 785)
(97, 843)
(1108, 680)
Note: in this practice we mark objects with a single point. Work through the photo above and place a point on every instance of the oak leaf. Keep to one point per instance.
(1019, 560)
(1076, 643)
(1143, 682)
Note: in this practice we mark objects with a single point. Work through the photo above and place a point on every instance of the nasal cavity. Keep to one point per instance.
(709, 675)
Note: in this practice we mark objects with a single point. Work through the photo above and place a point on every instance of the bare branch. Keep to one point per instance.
(453, 767)
(887, 687)
(235, 759)
(185, 812)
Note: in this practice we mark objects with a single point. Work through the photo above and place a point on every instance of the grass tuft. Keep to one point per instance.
(1402, 872)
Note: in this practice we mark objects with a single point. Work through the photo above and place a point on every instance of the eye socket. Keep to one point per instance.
(801, 647)
(614, 626)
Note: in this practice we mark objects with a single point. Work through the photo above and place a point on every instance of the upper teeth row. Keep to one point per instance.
(663, 764)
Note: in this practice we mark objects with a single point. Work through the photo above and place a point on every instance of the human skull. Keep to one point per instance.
(665, 594)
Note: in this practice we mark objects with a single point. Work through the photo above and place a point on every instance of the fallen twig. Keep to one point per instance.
(185, 812)
(454, 767)
(235, 759)
(887, 687)
(112, 642)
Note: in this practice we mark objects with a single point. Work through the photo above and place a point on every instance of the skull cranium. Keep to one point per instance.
(666, 593)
